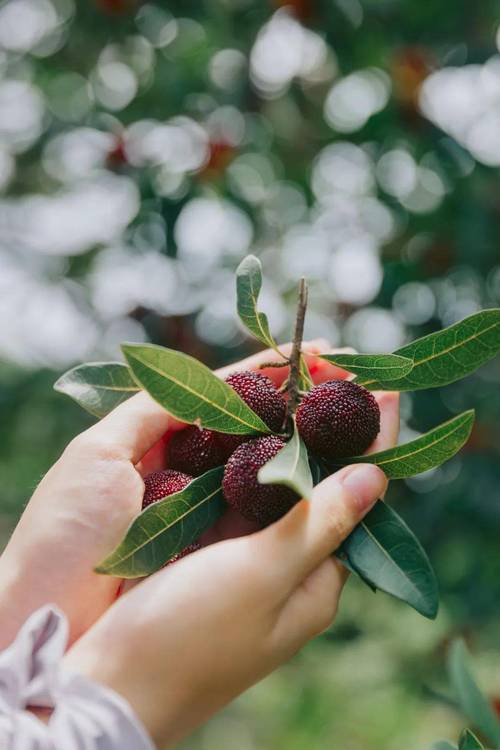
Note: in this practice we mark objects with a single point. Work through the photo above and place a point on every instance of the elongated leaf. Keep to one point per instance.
(473, 703)
(448, 355)
(98, 386)
(166, 527)
(190, 391)
(289, 467)
(444, 745)
(425, 452)
(248, 286)
(384, 551)
(377, 366)
(469, 741)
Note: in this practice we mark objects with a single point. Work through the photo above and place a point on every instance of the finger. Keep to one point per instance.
(311, 608)
(311, 531)
(388, 402)
(276, 374)
(321, 370)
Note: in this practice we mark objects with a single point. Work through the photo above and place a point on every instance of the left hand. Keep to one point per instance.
(85, 503)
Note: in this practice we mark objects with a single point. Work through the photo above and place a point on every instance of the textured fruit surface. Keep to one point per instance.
(195, 451)
(338, 419)
(159, 484)
(264, 503)
(261, 395)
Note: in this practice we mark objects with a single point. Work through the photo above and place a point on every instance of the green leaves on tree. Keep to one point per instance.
(166, 527)
(190, 391)
(445, 356)
(98, 386)
(474, 704)
(248, 286)
(380, 367)
(290, 467)
(388, 556)
(425, 452)
(469, 741)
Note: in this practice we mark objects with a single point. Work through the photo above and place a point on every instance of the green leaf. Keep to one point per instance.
(289, 467)
(444, 745)
(305, 379)
(190, 391)
(380, 367)
(425, 452)
(387, 555)
(98, 386)
(473, 703)
(469, 741)
(166, 527)
(248, 286)
(448, 355)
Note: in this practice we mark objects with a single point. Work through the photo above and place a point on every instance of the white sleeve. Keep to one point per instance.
(85, 715)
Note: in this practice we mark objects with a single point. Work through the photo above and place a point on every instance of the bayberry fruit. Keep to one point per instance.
(160, 484)
(264, 503)
(338, 419)
(184, 553)
(261, 395)
(195, 451)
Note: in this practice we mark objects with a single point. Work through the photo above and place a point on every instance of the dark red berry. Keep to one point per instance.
(160, 484)
(195, 451)
(264, 503)
(261, 395)
(338, 419)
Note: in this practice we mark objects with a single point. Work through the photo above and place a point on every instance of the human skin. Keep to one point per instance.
(182, 643)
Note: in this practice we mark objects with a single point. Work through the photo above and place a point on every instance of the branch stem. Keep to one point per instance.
(293, 388)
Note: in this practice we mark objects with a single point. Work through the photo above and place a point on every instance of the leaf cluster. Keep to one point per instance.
(382, 550)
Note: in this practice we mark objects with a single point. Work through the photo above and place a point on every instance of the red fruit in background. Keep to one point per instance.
(160, 484)
(261, 395)
(337, 419)
(220, 155)
(195, 451)
(117, 7)
(263, 503)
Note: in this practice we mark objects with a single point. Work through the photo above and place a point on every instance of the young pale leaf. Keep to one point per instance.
(469, 741)
(248, 286)
(166, 527)
(473, 703)
(426, 452)
(190, 391)
(305, 380)
(289, 467)
(98, 386)
(387, 555)
(444, 745)
(445, 356)
(380, 367)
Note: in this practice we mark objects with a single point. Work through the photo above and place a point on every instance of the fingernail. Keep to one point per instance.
(366, 482)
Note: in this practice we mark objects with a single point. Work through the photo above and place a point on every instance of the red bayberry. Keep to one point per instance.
(264, 503)
(261, 395)
(195, 451)
(338, 418)
(160, 484)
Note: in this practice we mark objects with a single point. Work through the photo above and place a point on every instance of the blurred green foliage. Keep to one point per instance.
(429, 213)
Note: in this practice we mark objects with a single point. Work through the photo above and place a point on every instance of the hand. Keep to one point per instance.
(187, 640)
(85, 503)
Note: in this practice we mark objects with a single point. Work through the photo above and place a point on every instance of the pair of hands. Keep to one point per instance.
(187, 640)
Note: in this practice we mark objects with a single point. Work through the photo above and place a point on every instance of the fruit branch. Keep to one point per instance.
(293, 384)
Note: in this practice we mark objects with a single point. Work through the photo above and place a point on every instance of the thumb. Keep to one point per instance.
(311, 531)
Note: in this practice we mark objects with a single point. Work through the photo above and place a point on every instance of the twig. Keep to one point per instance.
(294, 377)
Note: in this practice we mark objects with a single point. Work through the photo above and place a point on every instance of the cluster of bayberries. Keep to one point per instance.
(335, 419)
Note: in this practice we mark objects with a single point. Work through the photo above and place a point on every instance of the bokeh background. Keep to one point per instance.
(145, 148)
